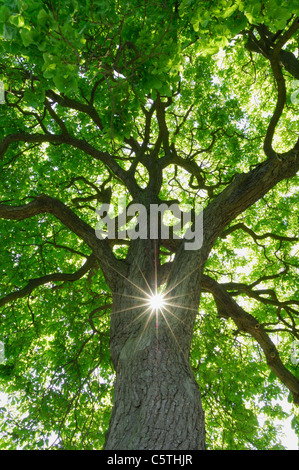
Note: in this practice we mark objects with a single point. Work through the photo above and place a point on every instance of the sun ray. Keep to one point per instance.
(179, 295)
(181, 306)
(145, 280)
(174, 315)
(171, 331)
(181, 280)
(144, 313)
(129, 308)
(154, 301)
(130, 296)
(130, 281)
(143, 330)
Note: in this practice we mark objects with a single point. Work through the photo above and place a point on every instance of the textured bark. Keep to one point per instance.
(157, 403)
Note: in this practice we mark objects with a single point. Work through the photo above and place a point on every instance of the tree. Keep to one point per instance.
(162, 102)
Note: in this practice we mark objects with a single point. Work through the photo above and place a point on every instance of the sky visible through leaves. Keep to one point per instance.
(174, 101)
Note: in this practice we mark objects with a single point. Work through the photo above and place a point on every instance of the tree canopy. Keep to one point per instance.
(186, 101)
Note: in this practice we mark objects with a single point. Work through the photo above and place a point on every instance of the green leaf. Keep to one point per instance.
(42, 17)
(4, 14)
(34, 98)
(103, 68)
(9, 32)
(27, 37)
(17, 20)
(230, 11)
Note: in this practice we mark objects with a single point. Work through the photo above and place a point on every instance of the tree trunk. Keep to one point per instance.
(157, 404)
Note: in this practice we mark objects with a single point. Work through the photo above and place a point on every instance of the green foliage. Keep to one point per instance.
(119, 57)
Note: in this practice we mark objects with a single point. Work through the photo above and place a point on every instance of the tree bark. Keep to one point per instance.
(157, 404)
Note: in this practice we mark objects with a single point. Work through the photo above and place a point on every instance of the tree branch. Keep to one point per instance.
(163, 129)
(255, 236)
(76, 105)
(55, 277)
(242, 193)
(46, 204)
(257, 294)
(29, 138)
(66, 138)
(246, 322)
(277, 57)
(283, 39)
(281, 99)
(267, 46)
(245, 190)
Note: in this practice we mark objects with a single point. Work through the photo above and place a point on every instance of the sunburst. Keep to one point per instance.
(154, 302)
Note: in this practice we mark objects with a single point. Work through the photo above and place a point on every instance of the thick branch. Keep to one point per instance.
(46, 204)
(163, 129)
(255, 236)
(242, 193)
(66, 138)
(257, 294)
(283, 39)
(89, 109)
(29, 138)
(273, 52)
(245, 190)
(55, 277)
(267, 47)
(76, 105)
(280, 103)
(246, 322)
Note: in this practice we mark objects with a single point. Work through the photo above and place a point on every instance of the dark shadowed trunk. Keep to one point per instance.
(157, 402)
